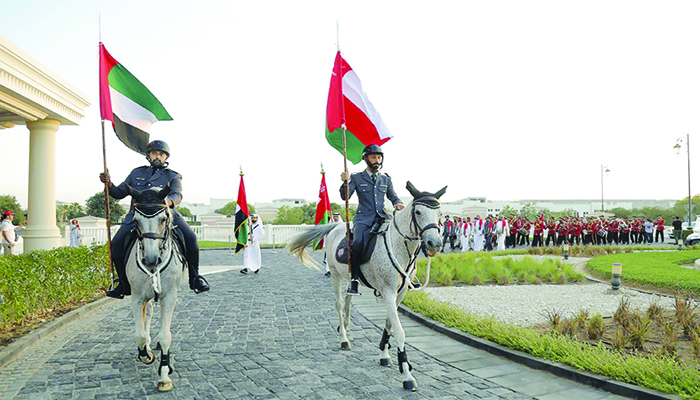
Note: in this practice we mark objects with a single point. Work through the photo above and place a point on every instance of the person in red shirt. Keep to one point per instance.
(562, 232)
(511, 241)
(613, 230)
(625, 231)
(551, 232)
(575, 231)
(537, 234)
(659, 229)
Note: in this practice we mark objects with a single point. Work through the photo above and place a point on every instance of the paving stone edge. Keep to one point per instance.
(28, 341)
(559, 369)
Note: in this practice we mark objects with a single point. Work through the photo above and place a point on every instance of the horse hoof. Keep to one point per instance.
(168, 386)
(385, 362)
(148, 361)
(409, 385)
(345, 346)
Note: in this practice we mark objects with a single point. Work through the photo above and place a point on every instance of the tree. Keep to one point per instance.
(230, 209)
(289, 216)
(95, 206)
(184, 211)
(508, 212)
(9, 203)
(66, 212)
(308, 212)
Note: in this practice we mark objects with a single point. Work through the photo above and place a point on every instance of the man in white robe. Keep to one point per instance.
(466, 234)
(252, 259)
(502, 230)
(478, 233)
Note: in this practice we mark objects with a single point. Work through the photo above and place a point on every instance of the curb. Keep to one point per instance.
(558, 369)
(26, 342)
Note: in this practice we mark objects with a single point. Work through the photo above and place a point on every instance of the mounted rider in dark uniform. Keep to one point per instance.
(371, 187)
(157, 175)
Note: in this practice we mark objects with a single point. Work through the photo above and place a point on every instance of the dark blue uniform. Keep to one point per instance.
(143, 178)
(370, 210)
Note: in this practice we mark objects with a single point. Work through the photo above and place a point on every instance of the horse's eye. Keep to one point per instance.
(418, 213)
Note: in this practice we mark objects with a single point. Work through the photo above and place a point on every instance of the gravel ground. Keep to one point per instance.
(526, 304)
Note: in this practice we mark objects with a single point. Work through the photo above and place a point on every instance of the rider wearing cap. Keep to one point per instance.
(371, 187)
(156, 175)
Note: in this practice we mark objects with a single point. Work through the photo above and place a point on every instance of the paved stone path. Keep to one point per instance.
(266, 336)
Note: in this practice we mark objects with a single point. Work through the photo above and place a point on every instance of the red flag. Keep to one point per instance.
(323, 208)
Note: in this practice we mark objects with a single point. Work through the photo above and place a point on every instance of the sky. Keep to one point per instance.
(501, 99)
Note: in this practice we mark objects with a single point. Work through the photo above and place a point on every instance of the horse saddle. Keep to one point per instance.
(341, 253)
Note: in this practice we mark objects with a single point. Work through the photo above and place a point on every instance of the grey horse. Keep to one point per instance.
(154, 268)
(389, 271)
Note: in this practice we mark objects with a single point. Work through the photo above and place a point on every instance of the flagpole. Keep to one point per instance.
(347, 202)
(109, 219)
(345, 159)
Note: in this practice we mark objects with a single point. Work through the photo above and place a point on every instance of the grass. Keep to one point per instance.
(480, 268)
(662, 373)
(653, 269)
(210, 244)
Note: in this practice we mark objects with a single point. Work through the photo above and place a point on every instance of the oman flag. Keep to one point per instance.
(240, 229)
(323, 209)
(126, 102)
(348, 105)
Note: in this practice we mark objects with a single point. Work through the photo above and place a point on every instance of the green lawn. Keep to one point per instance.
(209, 244)
(661, 373)
(480, 268)
(653, 269)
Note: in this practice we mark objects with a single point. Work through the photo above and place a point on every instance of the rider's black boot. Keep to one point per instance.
(353, 287)
(116, 293)
(200, 284)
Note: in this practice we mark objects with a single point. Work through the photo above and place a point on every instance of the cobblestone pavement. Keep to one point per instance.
(265, 336)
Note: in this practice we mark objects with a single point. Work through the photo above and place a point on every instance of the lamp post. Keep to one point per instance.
(677, 147)
(603, 170)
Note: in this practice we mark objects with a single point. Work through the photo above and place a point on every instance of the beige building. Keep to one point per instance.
(32, 96)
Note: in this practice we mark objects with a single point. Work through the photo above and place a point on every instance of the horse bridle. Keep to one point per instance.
(153, 235)
(427, 201)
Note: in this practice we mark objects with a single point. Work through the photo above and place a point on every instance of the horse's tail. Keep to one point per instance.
(297, 246)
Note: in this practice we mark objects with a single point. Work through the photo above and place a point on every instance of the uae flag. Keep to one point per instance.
(240, 229)
(348, 105)
(126, 102)
(323, 209)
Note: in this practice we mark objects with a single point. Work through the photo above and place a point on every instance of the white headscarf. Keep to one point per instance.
(256, 228)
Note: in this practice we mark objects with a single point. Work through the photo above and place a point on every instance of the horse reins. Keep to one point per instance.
(155, 275)
(427, 201)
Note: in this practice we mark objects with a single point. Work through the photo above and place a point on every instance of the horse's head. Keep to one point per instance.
(153, 223)
(425, 217)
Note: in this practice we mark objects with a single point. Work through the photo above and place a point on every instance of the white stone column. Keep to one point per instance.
(42, 232)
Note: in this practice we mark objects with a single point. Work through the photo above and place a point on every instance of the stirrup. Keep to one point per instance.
(353, 288)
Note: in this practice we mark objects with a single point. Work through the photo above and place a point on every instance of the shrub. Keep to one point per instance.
(622, 314)
(596, 327)
(42, 281)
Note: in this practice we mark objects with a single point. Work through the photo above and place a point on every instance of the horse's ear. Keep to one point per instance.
(412, 189)
(440, 192)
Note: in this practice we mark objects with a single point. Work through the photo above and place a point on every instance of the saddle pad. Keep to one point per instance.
(341, 253)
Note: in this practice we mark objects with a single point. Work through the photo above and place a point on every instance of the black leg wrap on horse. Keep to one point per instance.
(385, 340)
(165, 362)
(403, 358)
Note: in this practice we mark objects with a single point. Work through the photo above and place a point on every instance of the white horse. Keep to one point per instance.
(389, 271)
(154, 268)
